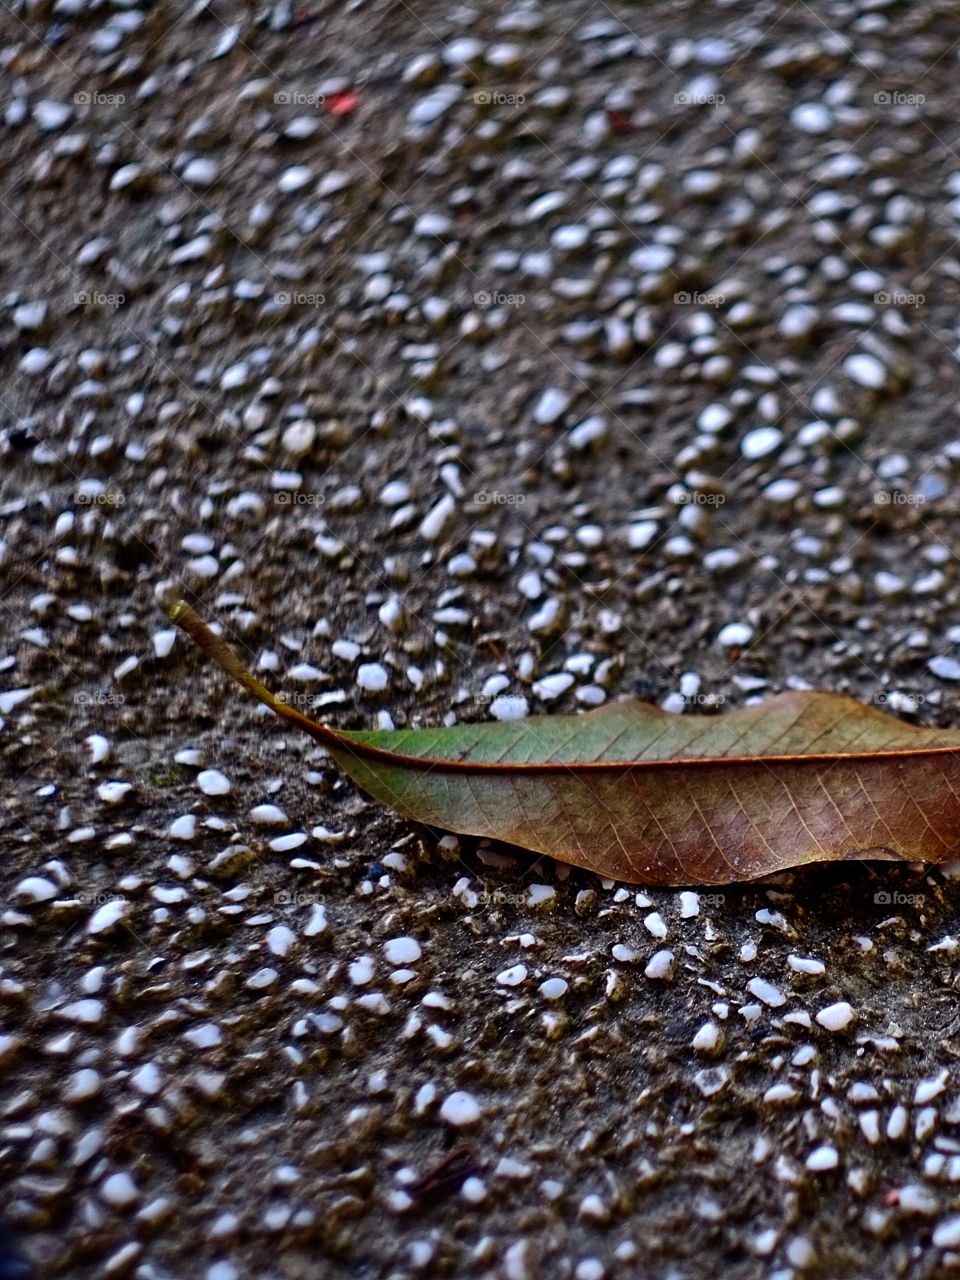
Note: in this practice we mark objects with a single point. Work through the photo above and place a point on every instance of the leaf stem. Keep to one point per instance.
(217, 649)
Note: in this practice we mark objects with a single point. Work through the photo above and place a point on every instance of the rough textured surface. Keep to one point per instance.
(463, 362)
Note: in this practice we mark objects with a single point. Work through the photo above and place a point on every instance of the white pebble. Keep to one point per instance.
(280, 939)
(551, 406)
(927, 1090)
(801, 964)
(513, 976)
(641, 534)
(114, 792)
(36, 889)
(661, 965)
(735, 635)
(761, 443)
(51, 115)
(295, 178)
(83, 1011)
(811, 117)
(460, 1108)
(213, 783)
(119, 1190)
(947, 1233)
(317, 922)
(707, 1038)
(82, 1085)
(147, 1080)
(98, 746)
(402, 951)
(268, 815)
(372, 677)
(656, 924)
(206, 1036)
(163, 642)
(110, 914)
(283, 844)
(767, 992)
(588, 432)
(203, 567)
(689, 904)
(944, 668)
(361, 971)
(200, 172)
(511, 706)
(836, 1016)
(552, 686)
(822, 1159)
(866, 371)
(437, 518)
(553, 988)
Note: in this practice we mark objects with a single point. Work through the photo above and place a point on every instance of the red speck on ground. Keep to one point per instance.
(342, 104)
(620, 121)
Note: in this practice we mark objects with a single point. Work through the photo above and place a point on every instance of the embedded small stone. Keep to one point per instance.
(761, 443)
(945, 668)
(661, 966)
(401, 951)
(508, 707)
(822, 1159)
(36, 889)
(114, 792)
(460, 1109)
(372, 677)
(836, 1017)
(735, 635)
(213, 783)
(109, 915)
(551, 406)
(866, 370)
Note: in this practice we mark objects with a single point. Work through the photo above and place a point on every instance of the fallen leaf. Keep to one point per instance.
(636, 794)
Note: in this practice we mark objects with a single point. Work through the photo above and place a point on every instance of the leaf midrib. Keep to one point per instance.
(369, 750)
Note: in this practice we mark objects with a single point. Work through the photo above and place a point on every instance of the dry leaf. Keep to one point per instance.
(636, 794)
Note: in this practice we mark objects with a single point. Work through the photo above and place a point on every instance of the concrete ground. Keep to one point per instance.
(460, 361)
